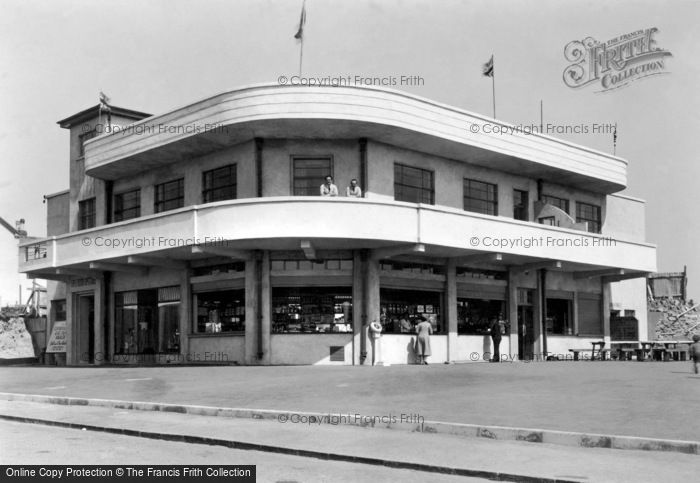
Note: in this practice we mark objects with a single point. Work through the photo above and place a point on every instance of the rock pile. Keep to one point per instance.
(670, 325)
(15, 341)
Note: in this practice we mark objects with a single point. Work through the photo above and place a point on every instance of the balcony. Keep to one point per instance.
(385, 116)
(288, 223)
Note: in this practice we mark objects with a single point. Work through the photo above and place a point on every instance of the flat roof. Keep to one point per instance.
(93, 111)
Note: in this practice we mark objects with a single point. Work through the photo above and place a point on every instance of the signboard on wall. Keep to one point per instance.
(57, 342)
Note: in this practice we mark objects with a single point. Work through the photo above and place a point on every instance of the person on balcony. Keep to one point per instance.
(328, 188)
(353, 191)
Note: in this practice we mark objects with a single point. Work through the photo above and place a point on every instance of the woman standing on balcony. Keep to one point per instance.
(423, 329)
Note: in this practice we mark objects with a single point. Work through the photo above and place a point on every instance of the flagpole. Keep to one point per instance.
(301, 54)
(493, 85)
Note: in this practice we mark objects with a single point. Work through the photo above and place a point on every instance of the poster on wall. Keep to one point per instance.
(57, 342)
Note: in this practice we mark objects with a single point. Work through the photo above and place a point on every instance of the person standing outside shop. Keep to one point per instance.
(495, 329)
(695, 352)
(328, 188)
(423, 329)
(353, 191)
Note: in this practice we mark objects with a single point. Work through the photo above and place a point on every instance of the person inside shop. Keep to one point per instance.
(328, 188)
(495, 330)
(423, 329)
(405, 324)
(353, 191)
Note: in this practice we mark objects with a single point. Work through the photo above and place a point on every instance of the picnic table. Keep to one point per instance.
(601, 350)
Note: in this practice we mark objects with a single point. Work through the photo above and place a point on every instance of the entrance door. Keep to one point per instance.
(526, 332)
(86, 328)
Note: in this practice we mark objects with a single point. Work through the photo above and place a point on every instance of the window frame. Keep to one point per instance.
(118, 212)
(468, 188)
(207, 196)
(421, 188)
(546, 199)
(160, 205)
(84, 216)
(526, 206)
(594, 225)
(314, 189)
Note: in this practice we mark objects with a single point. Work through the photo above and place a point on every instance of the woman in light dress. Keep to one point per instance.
(423, 329)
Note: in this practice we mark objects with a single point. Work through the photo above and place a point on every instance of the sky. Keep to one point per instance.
(157, 55)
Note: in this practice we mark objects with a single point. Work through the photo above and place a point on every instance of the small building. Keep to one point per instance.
(200, 236)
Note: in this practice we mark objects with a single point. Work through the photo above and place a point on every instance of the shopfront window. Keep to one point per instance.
(311, 310)
(221, 311)
(559, 320)
(147, 321)
(474, 316)
(401, 310)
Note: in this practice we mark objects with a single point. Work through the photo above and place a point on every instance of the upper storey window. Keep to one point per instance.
(480, 197)
(170, 195)
(219, 184)
(414, 185)
(86, 214)
(589, 213)
(309, 174)
(561, 203)
(127, 205)
(521, 203)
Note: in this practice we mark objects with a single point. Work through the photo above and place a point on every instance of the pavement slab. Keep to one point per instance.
(526, 460)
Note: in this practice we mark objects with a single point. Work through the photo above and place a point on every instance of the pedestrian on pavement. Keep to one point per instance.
(695, 352)
(495, 329)
(423, 329)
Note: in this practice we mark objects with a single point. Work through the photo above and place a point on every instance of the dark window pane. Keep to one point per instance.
(219, 184)
(309, 174)
(480, 197)
(127, 205)
(414, 185)
(170, 195)
(589, 213)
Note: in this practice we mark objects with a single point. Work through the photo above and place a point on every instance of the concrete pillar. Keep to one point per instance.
(186, 313)
(358, 303)
(450, 310)
(71, 330)
(605, 308)
(258, 295)
(372, 302)
(512, 312)
(266, 307)
(99, 320)
(574, 315)
(537, 323)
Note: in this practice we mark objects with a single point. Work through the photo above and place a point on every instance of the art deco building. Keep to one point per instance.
(199, 235)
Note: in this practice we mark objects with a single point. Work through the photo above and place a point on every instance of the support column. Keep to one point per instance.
(99, 322)
(372, 303)
(187, 315)
(538, 315)
(605, 307)
(264, 348)
(257, 296)
(450, 310)
(512, 313)
(359, 315)
(71, 330)
(542, 286)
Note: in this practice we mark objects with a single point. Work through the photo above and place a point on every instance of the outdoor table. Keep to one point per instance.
(600, 349)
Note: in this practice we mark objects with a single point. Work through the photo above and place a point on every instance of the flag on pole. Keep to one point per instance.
(302, 20)
(488, 68)
(104, 102)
